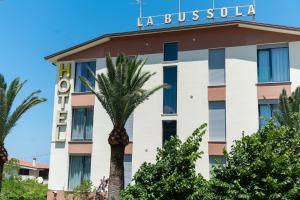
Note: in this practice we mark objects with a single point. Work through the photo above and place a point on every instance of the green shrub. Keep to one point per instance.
(265, 165)
(17, 189)
(173, 176)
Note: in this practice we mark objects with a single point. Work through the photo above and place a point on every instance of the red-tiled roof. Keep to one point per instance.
(30, 164)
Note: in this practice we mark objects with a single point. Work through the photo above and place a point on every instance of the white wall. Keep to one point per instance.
(294, 51)
(101, 128)
(59, 157)
(241, 92)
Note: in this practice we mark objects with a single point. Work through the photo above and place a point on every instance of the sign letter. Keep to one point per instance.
(139, 22)
(224, 12)
(168, 18)
(210, 13)
(181, 17)
(251, 10)
(150, 21)
(196, 15)
(237, 12)
(61, 118)
(63, 86)
(64, 70)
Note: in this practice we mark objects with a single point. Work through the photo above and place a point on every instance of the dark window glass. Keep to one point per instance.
(217, 67)
(215, 161)
(24, 172)
(169, 130)
(217, 121)
(171, 51)
(266, 113)
(79, 170)
(170, 94)
(44, 174)
(127, 169)
(82, 126)
(273, 65)
(82, 70)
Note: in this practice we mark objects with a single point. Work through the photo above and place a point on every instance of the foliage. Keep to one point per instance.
(15, 189)
(11, 168)
(82, 191)
(8, 117)
(173, 176)
(288, 114)
(121, 88)
(265, 165)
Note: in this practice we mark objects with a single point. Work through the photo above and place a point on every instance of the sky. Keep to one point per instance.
(33, 29)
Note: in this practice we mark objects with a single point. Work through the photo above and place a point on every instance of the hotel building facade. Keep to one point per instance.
(226, 74)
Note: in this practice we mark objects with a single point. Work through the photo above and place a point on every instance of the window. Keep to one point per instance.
(79, 170)
(129, 127)
(273, 64)
(24, 172)
(216, 67)
(171, 51)
(217, 121)
(170, 94)
(82, 126)
(127, 169)
(215, 161)
(169, 130)
(266, 111)
(82, 70)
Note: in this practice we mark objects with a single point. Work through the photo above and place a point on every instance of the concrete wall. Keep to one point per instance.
(241, 92)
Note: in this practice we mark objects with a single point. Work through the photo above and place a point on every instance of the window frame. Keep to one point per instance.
(164, 51)
(76, 71)
(225, 121)
(212, 49)
(84, 134)
(163, 138)
(164, 89)
(271, 104)
(83, 169)
(269, 49)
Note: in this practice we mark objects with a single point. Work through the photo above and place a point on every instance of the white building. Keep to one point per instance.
(226, 74)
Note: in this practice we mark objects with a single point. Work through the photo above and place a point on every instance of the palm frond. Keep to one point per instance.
(8, 118)
(121, 89)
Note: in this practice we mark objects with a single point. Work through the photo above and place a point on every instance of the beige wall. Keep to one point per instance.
(241, 92)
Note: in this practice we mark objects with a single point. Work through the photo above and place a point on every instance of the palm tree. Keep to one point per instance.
(289, 107)
(120, 91)
(9, 117)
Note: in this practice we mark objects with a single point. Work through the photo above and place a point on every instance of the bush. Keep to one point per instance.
(17, 189)
(265, 165)
(173, 176)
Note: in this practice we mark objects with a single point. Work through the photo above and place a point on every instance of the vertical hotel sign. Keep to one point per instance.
(63, 89)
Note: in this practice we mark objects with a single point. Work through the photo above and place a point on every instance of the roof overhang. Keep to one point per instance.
(54, 58)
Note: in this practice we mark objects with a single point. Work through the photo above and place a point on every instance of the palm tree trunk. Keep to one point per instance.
(3, 160)
(116, 174)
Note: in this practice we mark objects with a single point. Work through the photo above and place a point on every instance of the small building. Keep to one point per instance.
(33, 170)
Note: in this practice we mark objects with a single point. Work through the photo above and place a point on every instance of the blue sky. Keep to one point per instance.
(32, 29)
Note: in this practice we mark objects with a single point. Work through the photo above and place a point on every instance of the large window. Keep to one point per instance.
(169, 129)
(273, 64)
(82, 126)
(215, 161)
(216, 67)
(266, 111)
(82, 70)
(127, 169)
(171, 51)
(79, 170)
(217, 121)
(170, 94)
